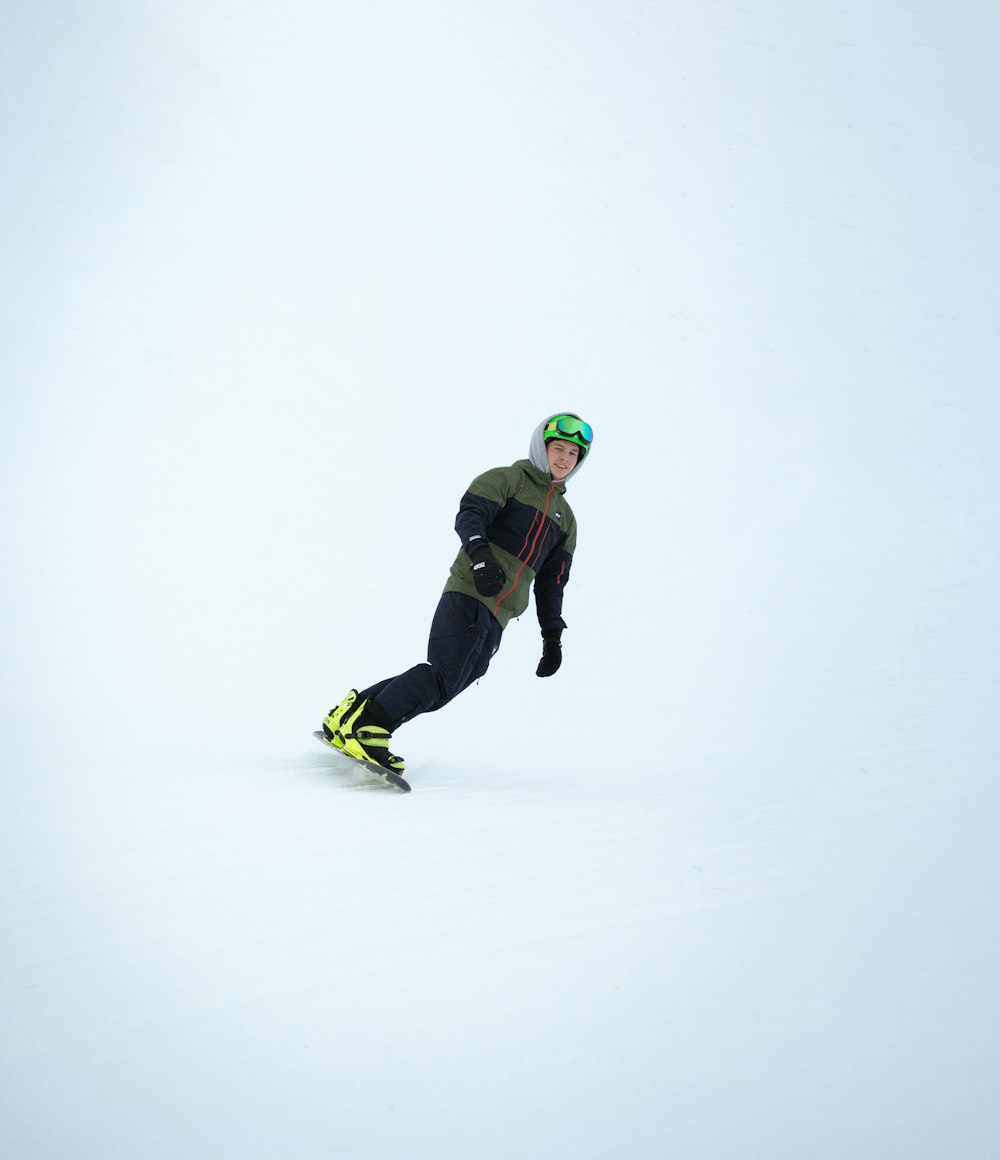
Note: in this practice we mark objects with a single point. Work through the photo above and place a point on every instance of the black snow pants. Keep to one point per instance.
(465, 635)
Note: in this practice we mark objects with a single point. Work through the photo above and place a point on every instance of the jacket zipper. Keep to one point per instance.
(531, 550)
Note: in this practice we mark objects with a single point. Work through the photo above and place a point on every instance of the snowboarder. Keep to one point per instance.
(516, 527)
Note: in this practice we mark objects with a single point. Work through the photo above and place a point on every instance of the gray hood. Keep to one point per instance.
(538, 455)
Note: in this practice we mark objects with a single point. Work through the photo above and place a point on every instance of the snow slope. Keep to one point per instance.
(274, 290)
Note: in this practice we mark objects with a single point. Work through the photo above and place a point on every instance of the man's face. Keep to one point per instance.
(563, 457)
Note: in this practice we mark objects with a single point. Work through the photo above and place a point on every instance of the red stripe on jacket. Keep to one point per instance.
(531, 550)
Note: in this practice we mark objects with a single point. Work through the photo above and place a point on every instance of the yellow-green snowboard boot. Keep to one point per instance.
(359, 727)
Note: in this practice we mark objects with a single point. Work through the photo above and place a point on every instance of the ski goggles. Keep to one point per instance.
(570, 427)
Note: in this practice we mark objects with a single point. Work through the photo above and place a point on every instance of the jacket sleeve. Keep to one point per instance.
(550, 580)
(486, 496)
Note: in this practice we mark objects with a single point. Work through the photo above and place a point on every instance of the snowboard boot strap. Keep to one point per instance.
(333, 721)
(366, 736)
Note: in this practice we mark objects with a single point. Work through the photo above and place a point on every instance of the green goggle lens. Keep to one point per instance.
(571, 428)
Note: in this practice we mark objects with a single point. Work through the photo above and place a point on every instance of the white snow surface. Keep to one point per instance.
(276, 284)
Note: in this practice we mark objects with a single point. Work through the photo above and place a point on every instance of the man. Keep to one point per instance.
(516, 527)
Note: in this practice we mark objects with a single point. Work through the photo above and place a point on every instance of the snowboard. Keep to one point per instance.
(387, 776)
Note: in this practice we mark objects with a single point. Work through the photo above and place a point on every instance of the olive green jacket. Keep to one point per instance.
(524, 515)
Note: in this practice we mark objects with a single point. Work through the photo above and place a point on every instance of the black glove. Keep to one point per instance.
(487, 575)
(551, 656)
